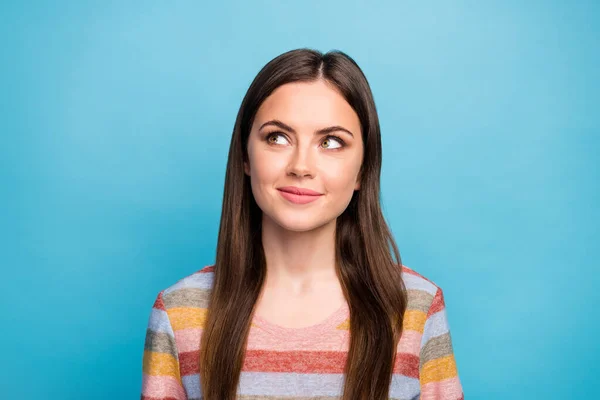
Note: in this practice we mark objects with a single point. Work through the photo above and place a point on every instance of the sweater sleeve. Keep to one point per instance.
(161, 378)
(438, 374)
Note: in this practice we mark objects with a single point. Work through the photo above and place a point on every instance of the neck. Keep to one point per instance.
(299, 262)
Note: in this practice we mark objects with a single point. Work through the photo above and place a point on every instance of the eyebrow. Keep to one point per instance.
(323, 131)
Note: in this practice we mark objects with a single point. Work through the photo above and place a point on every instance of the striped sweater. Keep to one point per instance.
(296, 364)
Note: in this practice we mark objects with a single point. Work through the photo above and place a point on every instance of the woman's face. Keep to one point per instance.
(304, 135)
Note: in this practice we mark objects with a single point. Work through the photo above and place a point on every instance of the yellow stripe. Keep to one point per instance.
(187, 317)
(344, 325)
(414, 320)
(438, 369)
(160, 364)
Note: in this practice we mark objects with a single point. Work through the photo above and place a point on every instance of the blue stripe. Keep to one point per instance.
(159, 322)
(418, 283)
(290, 384)
(191, 383)
(403, 387)
(198, 280)
(436, 325)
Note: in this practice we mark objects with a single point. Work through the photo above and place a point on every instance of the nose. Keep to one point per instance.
(301, 162)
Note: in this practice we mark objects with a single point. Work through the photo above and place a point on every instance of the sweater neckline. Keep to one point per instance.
(329, 323)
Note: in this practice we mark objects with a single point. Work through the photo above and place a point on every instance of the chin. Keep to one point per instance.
(298, 224)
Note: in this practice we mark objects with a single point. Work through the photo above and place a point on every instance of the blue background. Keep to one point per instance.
(115, 125)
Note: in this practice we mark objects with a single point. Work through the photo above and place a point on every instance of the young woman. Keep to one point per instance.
(308, 297)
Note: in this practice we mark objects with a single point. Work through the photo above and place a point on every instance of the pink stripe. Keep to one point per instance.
(162, 386)
(410, 342)
(331, 341)
(188, 339)
(260, 340)
(450, 389)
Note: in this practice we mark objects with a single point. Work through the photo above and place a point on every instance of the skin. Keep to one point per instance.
(301, 286)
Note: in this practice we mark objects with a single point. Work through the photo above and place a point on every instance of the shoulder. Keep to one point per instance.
(190, 291)
(424, 295)
(193, 290)
(415, 281)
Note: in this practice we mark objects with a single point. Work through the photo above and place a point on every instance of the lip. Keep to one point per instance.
(298, 195)
(299, 191)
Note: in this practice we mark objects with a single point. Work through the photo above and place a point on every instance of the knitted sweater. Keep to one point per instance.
(296, 364)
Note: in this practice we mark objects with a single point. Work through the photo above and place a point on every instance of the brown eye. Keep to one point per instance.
(272, 138)
(327, 142)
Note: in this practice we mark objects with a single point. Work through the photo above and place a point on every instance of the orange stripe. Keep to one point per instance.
(187, 317)
(414, 320)
(438, 370)
(160, 364)
(345, 326)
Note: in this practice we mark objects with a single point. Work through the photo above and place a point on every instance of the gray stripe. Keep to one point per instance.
(160, 342)
(419, 300)
(187, 297)
(439, 346)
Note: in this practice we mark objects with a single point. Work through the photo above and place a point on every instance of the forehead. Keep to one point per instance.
(310, 105)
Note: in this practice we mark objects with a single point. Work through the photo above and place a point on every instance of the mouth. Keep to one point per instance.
(299, 195)
(299, 191)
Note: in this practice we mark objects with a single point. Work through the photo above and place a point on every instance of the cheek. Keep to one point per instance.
(340, 176)
(266, 171)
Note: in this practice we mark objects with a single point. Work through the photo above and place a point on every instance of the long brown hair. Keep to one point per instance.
(368, 262)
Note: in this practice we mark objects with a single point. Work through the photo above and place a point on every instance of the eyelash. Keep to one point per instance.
(337, 138)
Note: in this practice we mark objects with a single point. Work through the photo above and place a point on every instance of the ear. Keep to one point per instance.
(246, 168)
(358, 179)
